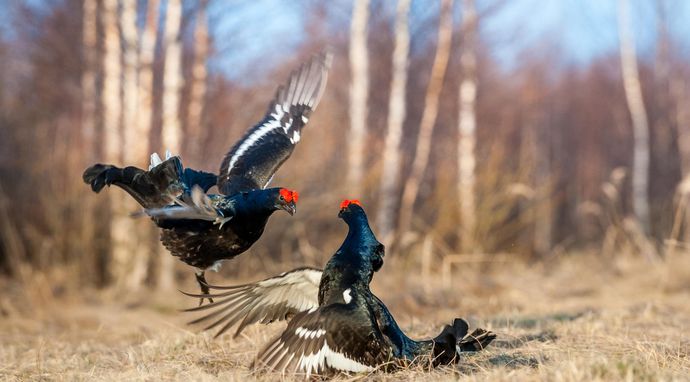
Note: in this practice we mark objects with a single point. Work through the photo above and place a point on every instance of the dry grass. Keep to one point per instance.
(578, 318)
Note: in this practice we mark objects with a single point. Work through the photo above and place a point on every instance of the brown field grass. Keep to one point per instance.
(575, 318)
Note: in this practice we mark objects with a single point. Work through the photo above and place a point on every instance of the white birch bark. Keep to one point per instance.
(147, 51)
(426, 127)
(89, 99)
(197, 91)
(679, 93)
(390, 177)
(359, 66)
(136, 143)
(111, 83)
(633, 94)
(112, 123)
(88, 78)
(467, 126)
(172, 80)
(171, 130)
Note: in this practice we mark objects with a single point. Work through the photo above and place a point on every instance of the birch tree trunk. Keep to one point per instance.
(359, 66)
(467, 126)
(194, 124)
(136, 143)
(390, 177)
(633, 94)
(88, 78)
(679, 94)
(537, 142)
(426, 127)
(171, 131)
(90, 223)
(112, 108)
(147, 51)
(172, 80)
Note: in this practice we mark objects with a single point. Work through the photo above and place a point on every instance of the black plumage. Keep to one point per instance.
(341, 324)
(203, 230)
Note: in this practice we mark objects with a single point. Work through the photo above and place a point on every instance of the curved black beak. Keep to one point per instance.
(291, 208)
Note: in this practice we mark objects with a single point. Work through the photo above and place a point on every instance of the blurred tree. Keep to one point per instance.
(426, 126)
(171, 130)
(638, 113)
(467, 126)
(112, 126)
(136, 141)
(195, 121)
(147, 54)
(89, 99)
(359, 65)
(390, 176)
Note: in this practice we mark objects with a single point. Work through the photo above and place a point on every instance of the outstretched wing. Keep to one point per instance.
(333, 337)
(251, 163)
(266, 301)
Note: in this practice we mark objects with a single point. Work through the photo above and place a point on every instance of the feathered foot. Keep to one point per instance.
(201, 279)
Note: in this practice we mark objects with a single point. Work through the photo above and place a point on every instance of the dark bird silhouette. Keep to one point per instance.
(336, 322)
(205, 229)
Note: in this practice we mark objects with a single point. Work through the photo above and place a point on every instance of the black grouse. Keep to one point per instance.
(337, 323)
(205, 229)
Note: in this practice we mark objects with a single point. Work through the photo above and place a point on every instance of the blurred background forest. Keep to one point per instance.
(469, 129)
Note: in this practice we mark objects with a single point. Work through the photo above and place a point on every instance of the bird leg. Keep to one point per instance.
(201, 279)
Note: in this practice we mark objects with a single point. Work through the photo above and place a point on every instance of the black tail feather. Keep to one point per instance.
(454, 338)
(150, 189)
(477, 340)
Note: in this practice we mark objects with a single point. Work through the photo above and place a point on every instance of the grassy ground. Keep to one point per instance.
(577, 318)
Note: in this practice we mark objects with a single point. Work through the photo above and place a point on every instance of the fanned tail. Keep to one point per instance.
(454, 340)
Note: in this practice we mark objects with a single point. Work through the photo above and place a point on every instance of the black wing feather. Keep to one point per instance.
(333, 337)
(254, 159)
(266, 301)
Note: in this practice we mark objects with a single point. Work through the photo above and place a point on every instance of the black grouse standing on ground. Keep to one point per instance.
(203, 230)
(337, 323)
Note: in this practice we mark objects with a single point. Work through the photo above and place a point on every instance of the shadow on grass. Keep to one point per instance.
(531, 322)
(520, 341)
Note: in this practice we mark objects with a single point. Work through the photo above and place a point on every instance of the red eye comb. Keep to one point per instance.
(289, 196)
(347, 202)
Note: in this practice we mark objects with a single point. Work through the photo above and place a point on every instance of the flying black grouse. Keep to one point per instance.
(201, 229)
(337, 323)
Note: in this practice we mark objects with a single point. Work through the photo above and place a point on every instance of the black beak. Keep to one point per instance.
(291, 208)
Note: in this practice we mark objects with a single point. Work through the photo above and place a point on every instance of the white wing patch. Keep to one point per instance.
(306, 333)
(326, 356)
(261, 132)
(269, 182)
(346, 295)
